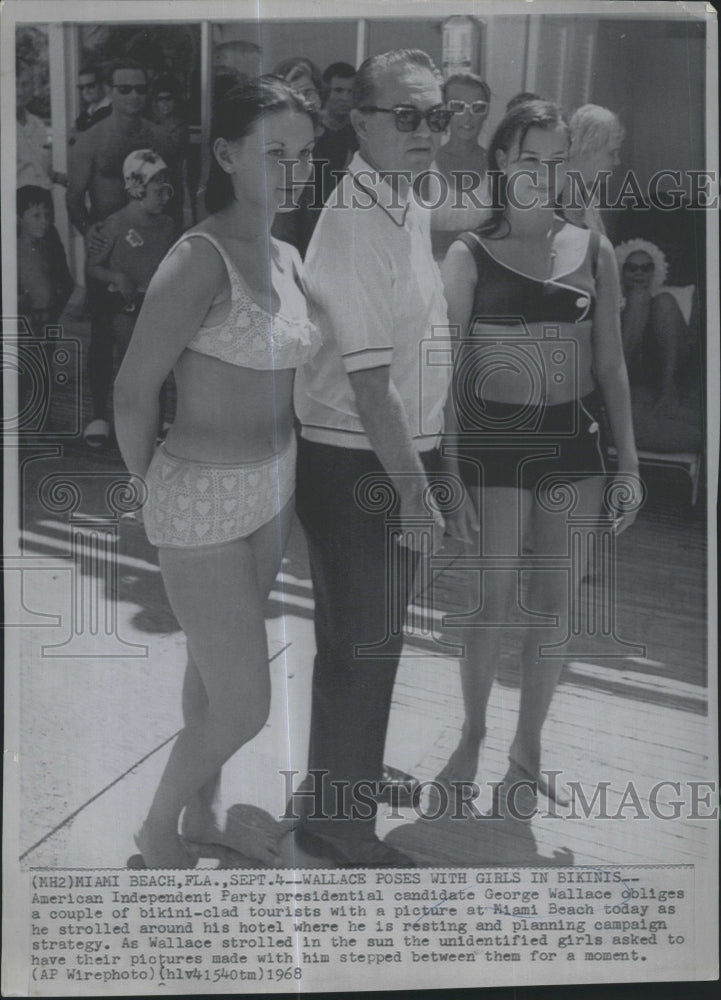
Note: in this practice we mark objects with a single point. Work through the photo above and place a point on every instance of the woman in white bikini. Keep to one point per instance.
(225, 312)
(535, 299)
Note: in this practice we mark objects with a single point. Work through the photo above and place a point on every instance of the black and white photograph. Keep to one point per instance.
(361, 409)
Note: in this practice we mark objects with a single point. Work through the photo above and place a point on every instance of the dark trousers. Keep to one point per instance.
(357, 597)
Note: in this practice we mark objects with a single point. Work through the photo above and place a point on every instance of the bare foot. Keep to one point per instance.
(162, 848)
(463, 763)
(200, 823)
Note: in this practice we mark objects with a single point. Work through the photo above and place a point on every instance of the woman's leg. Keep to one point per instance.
(202, 822)
(548, 594)
(216, 597)
(503, 513)
(669, 332)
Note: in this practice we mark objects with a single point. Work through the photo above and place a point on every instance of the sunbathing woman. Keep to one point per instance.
(656, 323)
(226, 313)
(536, 302)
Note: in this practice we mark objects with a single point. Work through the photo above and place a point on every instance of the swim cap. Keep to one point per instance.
(139, 167)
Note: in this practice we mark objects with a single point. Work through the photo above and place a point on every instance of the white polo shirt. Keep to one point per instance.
(376, 293)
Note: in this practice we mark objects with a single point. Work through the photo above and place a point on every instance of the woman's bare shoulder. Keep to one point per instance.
(199, 258)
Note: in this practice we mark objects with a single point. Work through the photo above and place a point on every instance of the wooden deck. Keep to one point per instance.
(98, 715)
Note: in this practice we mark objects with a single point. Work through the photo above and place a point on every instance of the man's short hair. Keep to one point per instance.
(369, 73)
(342, 70)
(468, 80)
(123, 63)
(89, 70)
(592, 129)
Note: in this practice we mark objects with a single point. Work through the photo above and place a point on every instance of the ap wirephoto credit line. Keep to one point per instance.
(361, 454)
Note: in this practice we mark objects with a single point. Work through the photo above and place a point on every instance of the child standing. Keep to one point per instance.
(134, 241)
(44, 282)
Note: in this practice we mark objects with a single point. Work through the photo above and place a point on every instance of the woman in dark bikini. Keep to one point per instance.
(535, 299)
(225, 312)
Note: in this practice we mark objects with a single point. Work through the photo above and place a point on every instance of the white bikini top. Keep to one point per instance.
(250, 336)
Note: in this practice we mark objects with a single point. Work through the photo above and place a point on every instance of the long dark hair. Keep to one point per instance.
(514, 127)
(235, 112)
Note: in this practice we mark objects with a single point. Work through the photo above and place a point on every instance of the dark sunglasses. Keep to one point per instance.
(475, 107)
(87, 86)
(141, 89)
(638, 268)
(408, 119)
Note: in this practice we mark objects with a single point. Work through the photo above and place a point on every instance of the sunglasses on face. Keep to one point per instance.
(141, 89)
(87, 86)
(408, 119)
(475, 107)
(638, 268)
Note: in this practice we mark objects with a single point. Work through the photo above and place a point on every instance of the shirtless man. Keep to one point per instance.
(96, 170)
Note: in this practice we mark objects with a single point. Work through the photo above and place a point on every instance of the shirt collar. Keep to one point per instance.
(394, 203)
(104, 102)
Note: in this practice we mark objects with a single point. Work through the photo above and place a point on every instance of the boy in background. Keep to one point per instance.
(44, 281)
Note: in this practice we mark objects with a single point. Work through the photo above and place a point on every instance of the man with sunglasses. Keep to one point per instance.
(96, 163)
(96, 173)
(94, 101)
(369, 407)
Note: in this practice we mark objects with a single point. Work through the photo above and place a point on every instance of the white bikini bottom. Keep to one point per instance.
(193, 503)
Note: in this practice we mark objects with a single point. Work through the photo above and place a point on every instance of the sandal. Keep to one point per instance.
(249, 831)
(97, 433)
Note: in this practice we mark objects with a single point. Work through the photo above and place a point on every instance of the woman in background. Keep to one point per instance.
(656, 321)
(596, 137)
(296, 226)
(461, 160)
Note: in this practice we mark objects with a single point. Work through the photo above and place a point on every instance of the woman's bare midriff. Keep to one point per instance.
(550, 365)
(229, 414)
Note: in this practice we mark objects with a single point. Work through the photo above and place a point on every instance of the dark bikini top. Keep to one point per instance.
(504, 296)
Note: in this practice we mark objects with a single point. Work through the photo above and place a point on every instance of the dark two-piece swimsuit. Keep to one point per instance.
(520, 444)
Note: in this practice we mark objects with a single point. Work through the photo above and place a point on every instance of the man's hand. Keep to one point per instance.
(95, 241)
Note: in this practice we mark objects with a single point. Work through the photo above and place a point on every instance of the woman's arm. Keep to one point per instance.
(609, 365)
(460, 276)
(175, 305)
